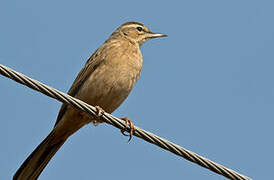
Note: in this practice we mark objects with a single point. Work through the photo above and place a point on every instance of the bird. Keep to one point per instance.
(105, 82)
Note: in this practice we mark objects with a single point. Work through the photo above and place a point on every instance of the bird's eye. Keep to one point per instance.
(139, 29)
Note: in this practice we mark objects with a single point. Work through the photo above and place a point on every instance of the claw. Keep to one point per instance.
(130, 126)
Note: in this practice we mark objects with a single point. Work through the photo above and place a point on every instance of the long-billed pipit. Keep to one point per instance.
(105, 82)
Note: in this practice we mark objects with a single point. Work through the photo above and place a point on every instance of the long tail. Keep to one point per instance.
(39, 158)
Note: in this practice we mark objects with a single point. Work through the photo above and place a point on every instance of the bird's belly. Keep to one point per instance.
(108, 87)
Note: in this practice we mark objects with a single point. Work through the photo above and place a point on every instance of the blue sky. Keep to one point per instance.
(208, 86)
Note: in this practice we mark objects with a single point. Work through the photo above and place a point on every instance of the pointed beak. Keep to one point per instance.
(156, 35)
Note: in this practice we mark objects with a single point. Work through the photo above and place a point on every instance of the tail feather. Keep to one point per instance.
(39, 158)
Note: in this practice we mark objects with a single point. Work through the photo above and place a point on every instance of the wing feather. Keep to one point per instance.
(91, 64)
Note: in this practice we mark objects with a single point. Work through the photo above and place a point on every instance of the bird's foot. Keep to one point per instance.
(100, 111)
(130, 126)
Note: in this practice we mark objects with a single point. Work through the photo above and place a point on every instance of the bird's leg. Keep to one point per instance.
(129, 125)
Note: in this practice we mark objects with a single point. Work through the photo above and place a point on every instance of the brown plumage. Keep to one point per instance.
(105, 81)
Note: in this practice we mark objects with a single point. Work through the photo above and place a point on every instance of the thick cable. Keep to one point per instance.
(110, 119)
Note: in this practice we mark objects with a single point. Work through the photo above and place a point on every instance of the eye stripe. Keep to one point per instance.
(130, 26)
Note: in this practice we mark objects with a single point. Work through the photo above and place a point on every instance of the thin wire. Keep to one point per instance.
(110, 119)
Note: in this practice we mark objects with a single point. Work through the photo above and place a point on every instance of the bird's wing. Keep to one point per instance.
(91, 64)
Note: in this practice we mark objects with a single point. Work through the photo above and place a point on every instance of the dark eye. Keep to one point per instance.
(139, 29)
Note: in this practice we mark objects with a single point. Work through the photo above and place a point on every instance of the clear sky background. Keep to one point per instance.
(208, 86)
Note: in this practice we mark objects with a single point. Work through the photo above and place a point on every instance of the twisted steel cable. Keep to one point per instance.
(108, 118)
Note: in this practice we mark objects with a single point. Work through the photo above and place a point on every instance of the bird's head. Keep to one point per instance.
(136, 32)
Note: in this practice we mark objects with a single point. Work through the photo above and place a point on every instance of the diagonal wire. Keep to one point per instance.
(110, 119)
